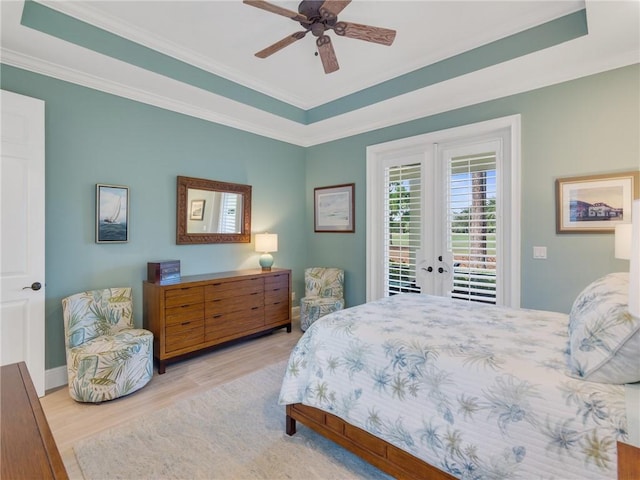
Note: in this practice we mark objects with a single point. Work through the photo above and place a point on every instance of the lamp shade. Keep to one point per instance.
(266, 242)
(623, 241)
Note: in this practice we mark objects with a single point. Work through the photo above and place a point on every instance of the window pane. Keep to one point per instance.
(472, 226)
(403, 224)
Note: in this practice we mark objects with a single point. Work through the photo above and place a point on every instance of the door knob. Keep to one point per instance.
(34, 286)
(430, 269)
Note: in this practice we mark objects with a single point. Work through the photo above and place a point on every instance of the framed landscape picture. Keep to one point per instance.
(596, 203)
(334, 209)
(112, 214)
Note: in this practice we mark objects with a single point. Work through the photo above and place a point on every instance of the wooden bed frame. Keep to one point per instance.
(377, 452)
(398, 463)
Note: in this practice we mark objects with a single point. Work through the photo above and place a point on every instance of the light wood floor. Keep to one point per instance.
(71, 421)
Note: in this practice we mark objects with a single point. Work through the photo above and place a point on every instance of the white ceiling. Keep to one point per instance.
(221, 37)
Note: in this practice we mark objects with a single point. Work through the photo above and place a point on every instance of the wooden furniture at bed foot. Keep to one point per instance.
(377, 452)
(28, 448)
(203, 311)
(628, 462)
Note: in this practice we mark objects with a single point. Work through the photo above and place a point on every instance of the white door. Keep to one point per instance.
(22, 234)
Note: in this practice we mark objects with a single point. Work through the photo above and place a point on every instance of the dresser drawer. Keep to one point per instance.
(183, 296)
(234, 304)
(276, 313)
(277, 289)
(225, 326)
(187, 334)
(177, 315)
(276, 281)
(217, 291)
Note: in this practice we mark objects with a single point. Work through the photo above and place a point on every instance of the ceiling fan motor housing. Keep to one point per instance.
(317, 22)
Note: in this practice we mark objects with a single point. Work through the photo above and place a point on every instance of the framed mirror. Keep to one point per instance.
(209, 211)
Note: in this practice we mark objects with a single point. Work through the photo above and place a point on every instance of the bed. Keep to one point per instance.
(432, 387)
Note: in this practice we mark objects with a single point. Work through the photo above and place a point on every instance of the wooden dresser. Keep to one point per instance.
(28, 448)
(202, 311)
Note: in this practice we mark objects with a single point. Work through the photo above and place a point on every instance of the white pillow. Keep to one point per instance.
(604, 338)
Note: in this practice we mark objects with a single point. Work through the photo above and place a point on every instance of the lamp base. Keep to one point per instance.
(266, 261)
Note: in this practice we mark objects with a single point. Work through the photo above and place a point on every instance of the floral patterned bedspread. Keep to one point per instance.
(478, 391)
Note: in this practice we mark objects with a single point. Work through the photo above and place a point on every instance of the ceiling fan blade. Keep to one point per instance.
(333, 7)
(327, 54)
(270, 7)
(286, 41)
(383, 36)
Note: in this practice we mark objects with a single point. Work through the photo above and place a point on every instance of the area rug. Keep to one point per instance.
(234, 431)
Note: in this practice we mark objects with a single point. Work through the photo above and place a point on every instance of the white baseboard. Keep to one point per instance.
(55, 377)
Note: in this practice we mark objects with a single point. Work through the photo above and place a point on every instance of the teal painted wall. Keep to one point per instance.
(92, 137)
(582, 127)
(577, 128)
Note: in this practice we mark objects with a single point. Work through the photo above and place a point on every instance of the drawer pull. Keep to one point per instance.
(217, 299)
(217, 316)
(216, 284)
(255, 308)
(255, 293)
(276, 303)
(185, 323)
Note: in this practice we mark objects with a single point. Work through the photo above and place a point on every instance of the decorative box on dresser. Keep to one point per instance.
(201, 311)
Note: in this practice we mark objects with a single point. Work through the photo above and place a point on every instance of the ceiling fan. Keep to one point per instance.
(318, 17)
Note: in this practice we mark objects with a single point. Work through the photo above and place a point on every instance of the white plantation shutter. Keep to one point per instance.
(228, 218)
(471, 219)
(403, 225)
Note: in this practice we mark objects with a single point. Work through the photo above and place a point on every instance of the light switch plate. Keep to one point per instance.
(540, 252)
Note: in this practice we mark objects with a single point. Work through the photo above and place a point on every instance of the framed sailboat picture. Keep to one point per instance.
(112, 213)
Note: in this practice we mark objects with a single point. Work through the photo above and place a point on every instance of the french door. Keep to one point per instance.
(443, 214)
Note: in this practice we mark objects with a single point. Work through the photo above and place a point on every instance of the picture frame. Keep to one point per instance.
(196, 210)
(595, 203)
(334, 208)
(112, 213)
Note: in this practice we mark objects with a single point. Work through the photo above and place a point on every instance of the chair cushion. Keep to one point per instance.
(110, 366)
(312, 308)
(604, 338)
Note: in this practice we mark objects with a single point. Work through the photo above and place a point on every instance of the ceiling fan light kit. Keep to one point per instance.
(318, 17)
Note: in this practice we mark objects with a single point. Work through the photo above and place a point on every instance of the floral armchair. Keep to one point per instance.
(107, 357)
(323, 294)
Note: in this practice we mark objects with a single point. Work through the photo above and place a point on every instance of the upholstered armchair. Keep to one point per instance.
(107, 357)
(323, 294)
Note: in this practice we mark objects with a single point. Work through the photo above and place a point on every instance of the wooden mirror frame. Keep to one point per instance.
(184, 238)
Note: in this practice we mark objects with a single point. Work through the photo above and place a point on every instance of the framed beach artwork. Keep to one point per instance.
(595, 203)
(112, 213)
(334, 209)
(196, 210)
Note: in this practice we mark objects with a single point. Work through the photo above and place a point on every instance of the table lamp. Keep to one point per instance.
(265, 244)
